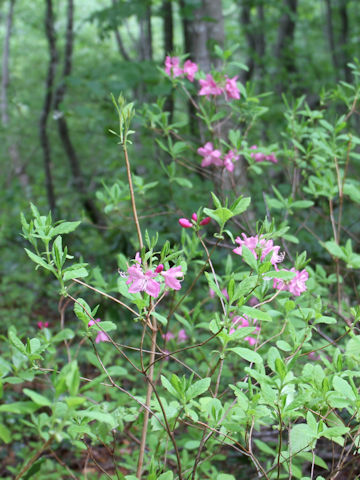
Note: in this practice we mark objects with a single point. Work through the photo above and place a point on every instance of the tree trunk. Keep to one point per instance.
(14, 153)
(284, 52)
(118, 38)
(330, 37)
(63, 129)
(248, 27)
(168, 33)
(344, 31)
(145, 39)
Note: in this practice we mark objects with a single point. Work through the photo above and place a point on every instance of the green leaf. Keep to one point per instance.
(75, 273)
(343, 387)
(167, 385)
(249, 257)
(82, 311)
(247, 354)
(37, 398)
(15, 340)
(240, 205)
(245, 287)
(65, 334)
(97, 415)
(197, 388)
(183, 182)
(301, 438)
(334, 249)
(19, 407)
(35, 258)
(166, 476)
(5, 434)
(65, 227)
(282, 274)
(225, 476)
(255, 313)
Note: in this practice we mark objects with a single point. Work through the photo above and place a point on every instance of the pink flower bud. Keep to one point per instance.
(185, 223)
(194, 217)
(159, 268)
(205, 221)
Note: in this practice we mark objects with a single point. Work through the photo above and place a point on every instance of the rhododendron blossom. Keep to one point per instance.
(240, 322)
(182, 337)
(231, 89)
(296, 285)
(101, 336)
(211, 156)
(261, 157)
(209, 87)
(190, 68)
(168, 336)
(143, 280)
(229, 158)
(172, 67)
(42, 325)
(259, 243)
(186, 223)
(171, 277)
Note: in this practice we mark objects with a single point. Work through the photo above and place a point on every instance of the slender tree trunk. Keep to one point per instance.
(330, 37)
(63, 129)
(145, 39)
(118, 38)
(168, 33)
(14, 153)
(248, 27)
(344, 31)
(284, 52)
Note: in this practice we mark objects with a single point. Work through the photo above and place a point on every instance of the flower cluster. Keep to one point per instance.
(181, 336)
(296, 285)
(173, 69)
(210, 87)
(212, 156)
(240, 322)
(186, 223)
(259, 243)
(142, 280)
(101, 336)
(261, 157)
(42, 325)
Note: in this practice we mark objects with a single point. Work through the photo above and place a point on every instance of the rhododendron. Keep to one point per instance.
(205, 221)
(194, 217)
(168, 336)
(209, 86)
(223, 291)
(271, 158)
(172, 67)
(182, 337)
(171, 277)
(296, 285)
(142, 281)
(185, 223)
(42, 325)
(240, 322)
(101, 336)
(231, 89)
(229, 158)
(260, 243)
(211, 156)
(261, 157)
(190, 68)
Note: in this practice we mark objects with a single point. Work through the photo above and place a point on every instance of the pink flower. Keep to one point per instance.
(229, 158)
(168, 336)
(171, 277)
(172, 66)
(42, 325)
(265, 246)
(194, 217)
(231, 89)
(142, 282)
(296, 285)
(182, 337)
(209, 86)
(101, 336)
(271, 158)
(211, 156)
(190, 68)
(205, 221)
(159, 268)
(185, 223)
(240, 322)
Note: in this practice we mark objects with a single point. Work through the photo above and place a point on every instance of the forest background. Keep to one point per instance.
(60, 62)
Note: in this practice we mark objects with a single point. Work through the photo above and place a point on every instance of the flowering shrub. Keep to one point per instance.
(209, 346)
